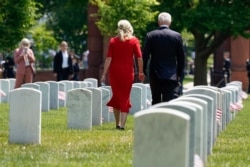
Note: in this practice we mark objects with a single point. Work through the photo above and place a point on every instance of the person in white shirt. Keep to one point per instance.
(63, 68)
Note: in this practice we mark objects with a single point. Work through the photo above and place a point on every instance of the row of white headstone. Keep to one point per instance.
(85, 102)
(178, 133)
(183, 131)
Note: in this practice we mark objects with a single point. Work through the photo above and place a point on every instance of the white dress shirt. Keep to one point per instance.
(65, 59)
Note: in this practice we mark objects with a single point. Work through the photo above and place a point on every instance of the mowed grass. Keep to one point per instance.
(232, 147)
(104, 146)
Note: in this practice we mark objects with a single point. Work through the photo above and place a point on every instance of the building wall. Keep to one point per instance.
(239, 49)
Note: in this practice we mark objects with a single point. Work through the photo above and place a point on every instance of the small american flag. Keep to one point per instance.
(218, 115)
(232, 107)
(239, 105)
(61, 95)
(2, 94)
(244, 95)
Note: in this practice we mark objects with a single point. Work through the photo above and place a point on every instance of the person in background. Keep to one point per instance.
(248, 74)
(120, 65)
(24, 60)
(76, 68)
(164, 48)
(8, 68)
(62, 67)
(227, 66)
(85, 59)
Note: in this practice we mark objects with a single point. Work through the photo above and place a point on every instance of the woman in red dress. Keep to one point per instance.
(120, 65)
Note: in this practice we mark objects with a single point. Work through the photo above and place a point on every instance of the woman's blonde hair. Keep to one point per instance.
(125, 30)
(25, 42)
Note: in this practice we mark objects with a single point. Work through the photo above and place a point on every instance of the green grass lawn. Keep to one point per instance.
(232, 148)
(104, 146)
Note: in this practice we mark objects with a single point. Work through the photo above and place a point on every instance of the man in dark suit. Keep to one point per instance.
(63, 68)
(164, 48)
(248, 74)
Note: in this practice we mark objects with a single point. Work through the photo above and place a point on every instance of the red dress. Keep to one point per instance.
(121, 71)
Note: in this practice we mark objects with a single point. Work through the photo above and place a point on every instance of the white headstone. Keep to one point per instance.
(144, 94)
(97, 106)
(31, 85)
(111, 114)
(213, 94)
(93, 81)
(25, 116)
(76, 84)
(210, 121)
(105, 109)
(149, 96)
(12, 83)
(83, 84)
(89, 84)
(68, 85)
(62, 91)
(44, 88)
(5, 88)
(161, 138)
(201, 106)
(194, 123)
(54, 92)
(79, 107)
(136, 99)
(228, 95)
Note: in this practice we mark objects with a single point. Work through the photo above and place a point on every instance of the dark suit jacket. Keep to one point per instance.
(58, 60)
(165, 49)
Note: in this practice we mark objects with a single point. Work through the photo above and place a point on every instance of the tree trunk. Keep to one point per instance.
(95, 45)
(200, 72)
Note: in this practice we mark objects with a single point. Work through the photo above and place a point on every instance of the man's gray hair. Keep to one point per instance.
(164, 17)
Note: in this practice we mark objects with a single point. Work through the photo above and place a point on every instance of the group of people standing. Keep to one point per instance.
(162, 60)
(66, 67)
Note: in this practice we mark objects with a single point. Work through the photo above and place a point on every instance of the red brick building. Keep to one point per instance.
(239, 49)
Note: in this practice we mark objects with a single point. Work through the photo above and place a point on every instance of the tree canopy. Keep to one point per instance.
(16, 19)
(210, 22)
(138, 12)
(68, 21)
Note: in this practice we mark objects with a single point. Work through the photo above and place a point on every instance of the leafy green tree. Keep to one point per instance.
(68, 21)
(44, 45)
(137, 12)
(210, 22)
(16, 18)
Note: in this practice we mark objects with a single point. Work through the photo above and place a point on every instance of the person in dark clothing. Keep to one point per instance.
(8, 68)
(63, 68)
(227, 66)
(248, 74)
(164, 48)
(76, 69)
